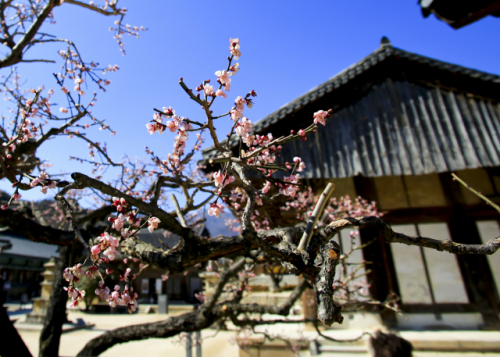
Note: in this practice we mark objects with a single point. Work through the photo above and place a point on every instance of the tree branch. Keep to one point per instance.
(327, 259)
(34, 231)
(16, 55)
(393, 237)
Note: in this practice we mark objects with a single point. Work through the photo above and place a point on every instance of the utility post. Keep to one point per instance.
(198, 343)
(189, 345)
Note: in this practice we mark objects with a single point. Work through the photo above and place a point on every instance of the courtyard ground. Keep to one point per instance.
(223, 345)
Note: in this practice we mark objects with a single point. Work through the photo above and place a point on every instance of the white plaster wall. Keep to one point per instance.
(410, 269)
(444, 271)
(489, 230)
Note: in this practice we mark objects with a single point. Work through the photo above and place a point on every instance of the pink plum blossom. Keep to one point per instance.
(173, 126)
(220, 93)
(320, 116)
(92, 272)
(209, 90)
(76, 295)
(234, 47)
(102, 291)
(120, 203)
(219, 177)
(151, 128)
(266, 187)
(223, 77)
(215, 209)
(290, 190)
(153, 224)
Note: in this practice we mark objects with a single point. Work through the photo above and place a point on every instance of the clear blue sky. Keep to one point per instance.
(288, 47)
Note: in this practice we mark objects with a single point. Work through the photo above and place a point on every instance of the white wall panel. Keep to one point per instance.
(446, 279)
(410, 269)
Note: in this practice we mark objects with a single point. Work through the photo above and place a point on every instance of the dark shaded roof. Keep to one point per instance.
(459, 13)
(403, 128)
(380, 55)
(422, 69)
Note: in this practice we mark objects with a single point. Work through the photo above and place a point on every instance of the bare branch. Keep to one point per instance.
(94, 8)
(35, 231)
(393, 237)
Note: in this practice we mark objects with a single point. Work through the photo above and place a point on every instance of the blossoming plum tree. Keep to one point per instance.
(137, 200)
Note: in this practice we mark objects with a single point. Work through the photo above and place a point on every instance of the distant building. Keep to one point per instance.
(22, 264)
(401, 124)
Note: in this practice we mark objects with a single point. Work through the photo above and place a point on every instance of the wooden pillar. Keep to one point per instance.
(383, 275)
(475, 270)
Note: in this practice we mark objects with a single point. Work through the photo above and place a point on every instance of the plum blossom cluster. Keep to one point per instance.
(74, 273)
(106, 250)
(76, 295)
(237, 201)
(337, 208)
(234, 47)
(126, 298)
(223, 76)
(176, 124)
(44, 181)
(216, 209)
(222, 179)
(107, 246)
(291, 185)
(350, 283)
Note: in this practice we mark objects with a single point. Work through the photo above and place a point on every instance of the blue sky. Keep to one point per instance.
(288, 47)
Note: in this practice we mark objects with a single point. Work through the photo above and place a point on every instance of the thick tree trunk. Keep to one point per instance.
(15, 345)
(56, 311)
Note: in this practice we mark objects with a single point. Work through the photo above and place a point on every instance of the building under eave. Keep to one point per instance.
(401, 124)
(460, 13)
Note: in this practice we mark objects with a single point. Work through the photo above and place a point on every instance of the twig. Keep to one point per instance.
(455, 177)
(79, 237)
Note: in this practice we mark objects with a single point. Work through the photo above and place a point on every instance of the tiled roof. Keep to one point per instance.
(384, 52)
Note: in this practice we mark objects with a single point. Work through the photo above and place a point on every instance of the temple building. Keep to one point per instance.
(401, 124)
